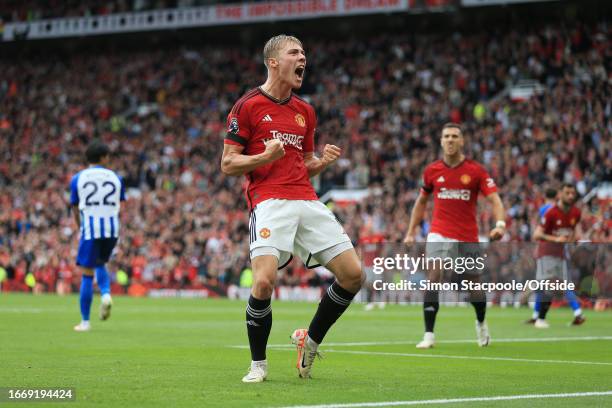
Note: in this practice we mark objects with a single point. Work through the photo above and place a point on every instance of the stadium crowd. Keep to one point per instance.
(34, 10)
(163, 114)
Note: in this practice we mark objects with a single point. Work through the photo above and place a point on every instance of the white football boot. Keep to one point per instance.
(482, 334)
(541, 324)
(105, 307)
(257, 373)
(428, 341)
(84, 326)
(306, 352)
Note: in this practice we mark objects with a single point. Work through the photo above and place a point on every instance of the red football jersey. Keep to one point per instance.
(258, 117)
(455, 191)
(558, 223)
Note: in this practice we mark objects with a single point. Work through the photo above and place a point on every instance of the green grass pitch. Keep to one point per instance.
(178, 352)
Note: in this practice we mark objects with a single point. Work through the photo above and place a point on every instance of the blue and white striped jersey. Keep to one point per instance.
(98, 192)
(543, 209)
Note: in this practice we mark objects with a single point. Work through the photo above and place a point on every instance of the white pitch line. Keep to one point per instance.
(534, 339)
(19, 310)
(456, 400)
(403, 342)
(519, 360)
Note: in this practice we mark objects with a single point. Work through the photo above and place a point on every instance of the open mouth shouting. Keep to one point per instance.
(299, 72)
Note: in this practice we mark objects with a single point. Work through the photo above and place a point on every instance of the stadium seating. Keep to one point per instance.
(163, 114)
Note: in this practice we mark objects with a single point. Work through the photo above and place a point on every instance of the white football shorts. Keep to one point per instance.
(439, 246)
(551, 267)
(306, 228)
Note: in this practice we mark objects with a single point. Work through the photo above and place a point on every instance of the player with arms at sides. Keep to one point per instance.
(550, 201)
(454, 182)
(95, 196)
(557, 227)
(270, 140)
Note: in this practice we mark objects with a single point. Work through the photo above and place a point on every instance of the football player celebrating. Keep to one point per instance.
(270, 140)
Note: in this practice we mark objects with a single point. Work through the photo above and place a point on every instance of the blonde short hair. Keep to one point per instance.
(274, 44)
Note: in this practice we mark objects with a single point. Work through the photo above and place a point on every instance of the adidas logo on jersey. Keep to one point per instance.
(267, 118)
(440, 179)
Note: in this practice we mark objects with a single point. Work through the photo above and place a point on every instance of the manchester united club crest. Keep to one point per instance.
(573, 222)
(465, 179)
(300, 120)
(264, 233)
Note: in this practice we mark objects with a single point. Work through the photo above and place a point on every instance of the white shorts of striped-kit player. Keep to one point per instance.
(306, 228)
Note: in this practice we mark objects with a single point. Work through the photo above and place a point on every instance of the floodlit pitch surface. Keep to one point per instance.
(188, 352)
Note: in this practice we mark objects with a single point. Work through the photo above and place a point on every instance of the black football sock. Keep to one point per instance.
(333, 303)
(430, 309)
(479, 301)
(545, 304)
(259, 324)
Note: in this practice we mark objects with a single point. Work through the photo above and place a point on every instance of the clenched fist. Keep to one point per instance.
(409, 239)
(274, 150)
(496, 234)
(331, 153)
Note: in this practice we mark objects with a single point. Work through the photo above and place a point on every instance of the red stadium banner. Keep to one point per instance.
(478, 3)
(287, 10)
(204, 16)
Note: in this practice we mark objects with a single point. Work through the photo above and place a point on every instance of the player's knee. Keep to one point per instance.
(478, 296)
(434, 275)
(352, 280)
(87, 271)
(431, 297)
(348, 271)
(362, 278)
(263, 287)
(546, 296)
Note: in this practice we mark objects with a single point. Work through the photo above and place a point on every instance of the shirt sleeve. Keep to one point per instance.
(543, 209)
(238, 126)
(546, 221)
(426, 184)
(74, 191)
(487, 184)
(312, 126)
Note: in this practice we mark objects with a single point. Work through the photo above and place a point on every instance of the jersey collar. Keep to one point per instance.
(275, 100)
(560, 207)
(456, 166)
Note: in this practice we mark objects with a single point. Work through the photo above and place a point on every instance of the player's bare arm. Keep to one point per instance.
(234, 163)
(499, 214)
(539, 235)
(416, 216)
(76, 214)
(316, 165)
